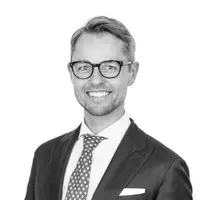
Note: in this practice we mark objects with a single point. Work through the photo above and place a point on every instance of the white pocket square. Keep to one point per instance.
(132, 191)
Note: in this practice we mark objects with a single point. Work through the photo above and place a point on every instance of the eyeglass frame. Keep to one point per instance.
(121, 63)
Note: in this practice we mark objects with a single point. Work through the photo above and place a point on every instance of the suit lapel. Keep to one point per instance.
(59, 160)
(127, 160)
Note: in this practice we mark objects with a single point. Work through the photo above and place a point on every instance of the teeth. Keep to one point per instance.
(98, 94)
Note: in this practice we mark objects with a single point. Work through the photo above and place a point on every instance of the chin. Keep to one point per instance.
(101, 111)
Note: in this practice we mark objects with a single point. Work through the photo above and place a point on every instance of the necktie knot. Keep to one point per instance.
(90, 142)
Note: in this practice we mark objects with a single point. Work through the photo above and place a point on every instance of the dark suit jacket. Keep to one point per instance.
(139, 162)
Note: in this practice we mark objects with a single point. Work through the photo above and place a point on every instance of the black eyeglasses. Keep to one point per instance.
(108, 68)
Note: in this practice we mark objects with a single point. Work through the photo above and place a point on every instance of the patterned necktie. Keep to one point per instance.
(79, 180)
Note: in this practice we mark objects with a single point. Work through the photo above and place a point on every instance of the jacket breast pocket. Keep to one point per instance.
(133, 197)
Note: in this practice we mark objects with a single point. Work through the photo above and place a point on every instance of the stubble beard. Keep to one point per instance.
(99, 110)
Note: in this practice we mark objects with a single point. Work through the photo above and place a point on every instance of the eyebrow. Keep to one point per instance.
(92, 62)
(83, 60)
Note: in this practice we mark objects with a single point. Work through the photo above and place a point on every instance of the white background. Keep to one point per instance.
(36, 96)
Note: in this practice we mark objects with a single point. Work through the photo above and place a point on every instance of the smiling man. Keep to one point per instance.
(107, 156)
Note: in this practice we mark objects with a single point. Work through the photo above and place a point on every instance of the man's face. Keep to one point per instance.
(111, 92)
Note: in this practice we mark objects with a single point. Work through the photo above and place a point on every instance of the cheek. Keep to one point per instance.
(78, 88)
(78, 91)
(123, 91)
(121, 85)
(120, 91)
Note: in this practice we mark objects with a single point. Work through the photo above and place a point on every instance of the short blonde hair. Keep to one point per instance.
(102, 24)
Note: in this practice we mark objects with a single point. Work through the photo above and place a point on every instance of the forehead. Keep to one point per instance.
(98, 47)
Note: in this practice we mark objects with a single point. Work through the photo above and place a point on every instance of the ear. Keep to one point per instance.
(133, 72)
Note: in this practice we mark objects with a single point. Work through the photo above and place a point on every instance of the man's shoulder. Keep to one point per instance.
(162, 156)
(53, 143)
(160, 150)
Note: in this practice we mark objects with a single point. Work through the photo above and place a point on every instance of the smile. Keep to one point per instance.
(98, 94)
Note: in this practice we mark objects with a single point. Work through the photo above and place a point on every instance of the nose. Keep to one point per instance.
(96, 77)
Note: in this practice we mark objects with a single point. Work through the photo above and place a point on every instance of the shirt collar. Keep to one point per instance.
(114, 132)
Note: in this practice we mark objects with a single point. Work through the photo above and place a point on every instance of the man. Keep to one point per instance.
(107, 156)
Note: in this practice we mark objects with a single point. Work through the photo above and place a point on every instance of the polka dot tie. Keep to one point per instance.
(79, 180)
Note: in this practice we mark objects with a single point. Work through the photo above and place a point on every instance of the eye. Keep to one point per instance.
(110, 67)
(82, 67)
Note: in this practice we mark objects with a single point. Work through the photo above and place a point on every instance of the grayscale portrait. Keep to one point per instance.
(108, 156)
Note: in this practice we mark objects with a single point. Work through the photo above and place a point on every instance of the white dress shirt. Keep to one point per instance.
(102, 154)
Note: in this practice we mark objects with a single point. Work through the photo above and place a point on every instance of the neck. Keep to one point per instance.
(98, 123)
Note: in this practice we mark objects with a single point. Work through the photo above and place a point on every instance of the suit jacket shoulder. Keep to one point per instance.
(162, 151)
(53, 145)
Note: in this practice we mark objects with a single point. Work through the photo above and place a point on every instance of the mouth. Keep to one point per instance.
(98, 94)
